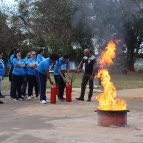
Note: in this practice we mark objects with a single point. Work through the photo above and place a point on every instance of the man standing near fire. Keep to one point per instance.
(89, 73)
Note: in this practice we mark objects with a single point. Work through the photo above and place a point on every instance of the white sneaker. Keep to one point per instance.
(22, 96)
(95, 86)
(29, 98)
(43, 102)
(47, 101)
(37, 97)
(32, 96)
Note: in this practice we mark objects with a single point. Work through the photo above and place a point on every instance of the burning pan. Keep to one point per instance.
(108, 118)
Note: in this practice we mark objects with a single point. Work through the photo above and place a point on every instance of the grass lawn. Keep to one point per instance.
(121, 81)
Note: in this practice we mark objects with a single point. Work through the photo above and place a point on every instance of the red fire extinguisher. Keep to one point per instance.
(68, 92)
(53, 94)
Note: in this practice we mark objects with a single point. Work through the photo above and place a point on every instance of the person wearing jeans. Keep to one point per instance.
(42, 75)
(89, 73)
(18, 75)
(59, 75)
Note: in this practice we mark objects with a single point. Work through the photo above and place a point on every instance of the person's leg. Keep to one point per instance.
(90, 89)
(1, 96)
(24, 85)
(61, 85)
(35, 85)
(83, 87)
(14, 83)
(30, 86)
(41, 79)
(20, 81)
(12, 86)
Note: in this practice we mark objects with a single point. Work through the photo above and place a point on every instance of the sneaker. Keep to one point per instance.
(95, 86)
(29, 97)
(81, 99)
(89, 99)
(22, 96)
(1, 102)
(20, 99)
(32, 96)
(63, 98)
(43, 102)
(36, 97)
(15, 99)
(60, 99)
(47, 101)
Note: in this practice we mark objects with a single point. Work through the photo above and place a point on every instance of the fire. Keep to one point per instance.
(107, 100)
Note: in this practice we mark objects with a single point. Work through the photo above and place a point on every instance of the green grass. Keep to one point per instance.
(121, 81)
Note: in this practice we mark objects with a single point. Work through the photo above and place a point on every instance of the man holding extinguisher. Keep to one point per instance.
(59, 75)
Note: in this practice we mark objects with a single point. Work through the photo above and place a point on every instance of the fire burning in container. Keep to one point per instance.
(111, 110)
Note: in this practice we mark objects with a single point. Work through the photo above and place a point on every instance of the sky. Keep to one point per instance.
(8, 2)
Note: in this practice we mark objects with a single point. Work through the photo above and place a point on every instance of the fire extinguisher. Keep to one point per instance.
(68, 92)
(53, 94)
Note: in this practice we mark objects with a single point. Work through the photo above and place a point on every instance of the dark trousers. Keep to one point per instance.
(85, 79)
(41, 79)
(32, 82)
(11, 87)
(24, 85)
(17, 83)
(61, 84)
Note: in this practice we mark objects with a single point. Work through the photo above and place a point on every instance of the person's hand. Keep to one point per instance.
(51, 82)
(91, 77)
(78, 71)
(64, 79)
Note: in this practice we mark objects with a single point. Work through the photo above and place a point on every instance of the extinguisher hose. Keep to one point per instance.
(72, 78)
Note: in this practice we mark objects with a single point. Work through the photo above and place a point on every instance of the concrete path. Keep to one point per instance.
(68, 122)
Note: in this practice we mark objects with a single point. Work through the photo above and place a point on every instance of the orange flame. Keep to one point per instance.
(107, 99)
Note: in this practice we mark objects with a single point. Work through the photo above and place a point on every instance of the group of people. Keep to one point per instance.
(34, 71)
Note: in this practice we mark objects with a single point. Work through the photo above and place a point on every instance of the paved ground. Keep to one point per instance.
(75, 122)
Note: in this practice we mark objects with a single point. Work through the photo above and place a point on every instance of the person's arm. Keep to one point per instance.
(32, 65)
(93, 71)
(79, 66)
(60, 73)
(48, 77)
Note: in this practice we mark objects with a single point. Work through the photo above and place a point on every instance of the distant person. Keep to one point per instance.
(59, 75)
(24, 84)
(18, 75)
(40, 56)
(2, 71)
(32, 82)
(10, 65)
(89, 73)
(42, 75)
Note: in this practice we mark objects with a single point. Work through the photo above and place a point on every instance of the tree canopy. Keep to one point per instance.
(70, 26)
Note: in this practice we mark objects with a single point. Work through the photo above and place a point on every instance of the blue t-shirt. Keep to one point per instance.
(44, 65)
(2, 69)
(10, 61)
(18, 70)
(40, 58)
(31, 71)
(61, 65)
